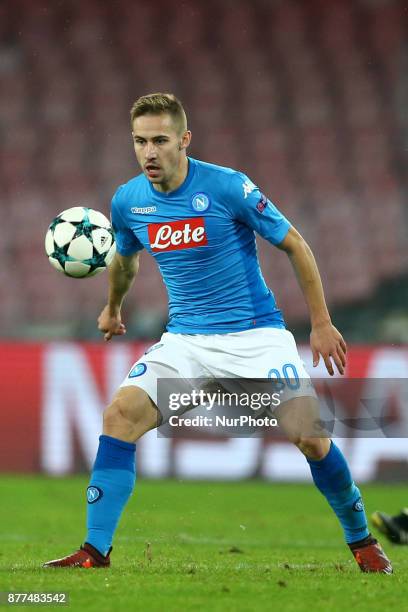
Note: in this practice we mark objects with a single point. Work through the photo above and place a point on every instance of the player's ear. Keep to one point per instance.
(185, 140)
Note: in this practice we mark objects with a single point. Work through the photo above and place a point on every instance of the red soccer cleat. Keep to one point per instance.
(87, 556)
(372, 558)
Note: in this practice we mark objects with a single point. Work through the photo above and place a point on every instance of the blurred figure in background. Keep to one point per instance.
(395, 528)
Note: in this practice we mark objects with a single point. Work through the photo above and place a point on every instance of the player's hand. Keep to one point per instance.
(110, 325)
(327, 341)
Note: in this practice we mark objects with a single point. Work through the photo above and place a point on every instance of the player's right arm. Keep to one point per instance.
(122, 272)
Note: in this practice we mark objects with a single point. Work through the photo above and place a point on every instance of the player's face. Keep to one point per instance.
(160, 149)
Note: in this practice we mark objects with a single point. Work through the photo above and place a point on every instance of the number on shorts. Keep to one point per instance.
(291, 380)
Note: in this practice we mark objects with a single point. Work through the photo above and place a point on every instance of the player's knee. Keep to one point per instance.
(126, 420)
(313, 448)
(118, 411)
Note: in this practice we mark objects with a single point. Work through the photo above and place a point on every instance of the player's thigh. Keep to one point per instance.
(130, 414)
(162, 368)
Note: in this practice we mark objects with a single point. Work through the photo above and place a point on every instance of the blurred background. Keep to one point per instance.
(309, 98)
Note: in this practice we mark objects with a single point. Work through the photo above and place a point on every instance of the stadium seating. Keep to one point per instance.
(308, 98)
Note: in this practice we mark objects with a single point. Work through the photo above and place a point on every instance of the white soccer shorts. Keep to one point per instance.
(262, 353)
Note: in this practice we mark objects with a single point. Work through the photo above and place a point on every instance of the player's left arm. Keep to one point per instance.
(251, 207)
(325, 339)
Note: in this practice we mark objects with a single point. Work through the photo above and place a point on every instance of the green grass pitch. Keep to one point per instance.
(182, 545)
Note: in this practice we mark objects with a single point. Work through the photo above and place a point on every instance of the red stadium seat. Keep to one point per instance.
(291, 93)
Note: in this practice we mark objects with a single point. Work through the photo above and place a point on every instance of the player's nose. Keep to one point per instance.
(151, 152)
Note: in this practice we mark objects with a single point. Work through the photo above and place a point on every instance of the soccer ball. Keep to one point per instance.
(80, 242)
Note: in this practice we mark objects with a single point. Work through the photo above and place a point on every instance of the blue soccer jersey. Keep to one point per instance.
(202, 238)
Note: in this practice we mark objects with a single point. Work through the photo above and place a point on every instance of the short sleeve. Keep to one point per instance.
(126, 241)
(255, 210)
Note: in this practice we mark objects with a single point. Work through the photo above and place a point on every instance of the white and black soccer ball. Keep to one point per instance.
(80, 242)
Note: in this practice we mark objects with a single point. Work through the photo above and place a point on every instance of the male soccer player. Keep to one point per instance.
(198, 221)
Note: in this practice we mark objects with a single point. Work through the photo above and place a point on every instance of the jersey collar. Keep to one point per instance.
(184, 185)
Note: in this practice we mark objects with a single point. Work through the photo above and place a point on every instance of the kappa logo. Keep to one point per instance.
(177, 235)
(143, 211)
(248, 187)
(93, 494)
(153, 348)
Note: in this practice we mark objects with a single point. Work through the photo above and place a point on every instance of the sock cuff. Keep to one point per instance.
(116, 442)
(332, 472)
(115, 454)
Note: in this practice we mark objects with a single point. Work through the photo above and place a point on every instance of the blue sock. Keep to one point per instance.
(332, 477)
(111, 485)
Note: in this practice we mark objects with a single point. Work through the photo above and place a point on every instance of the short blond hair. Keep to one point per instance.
(158, 103)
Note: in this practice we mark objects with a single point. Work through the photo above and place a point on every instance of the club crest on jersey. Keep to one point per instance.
(200, 202)
(93, 494)
(177, 235)
(138, 370)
